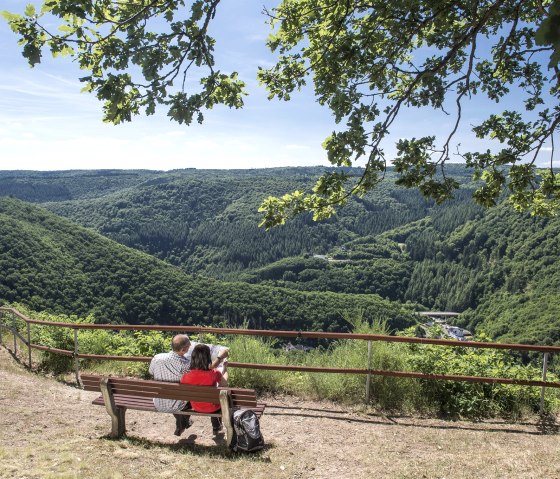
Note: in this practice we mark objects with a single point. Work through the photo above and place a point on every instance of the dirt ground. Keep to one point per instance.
(51, 430)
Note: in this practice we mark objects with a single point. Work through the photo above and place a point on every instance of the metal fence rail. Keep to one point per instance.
(11, 313)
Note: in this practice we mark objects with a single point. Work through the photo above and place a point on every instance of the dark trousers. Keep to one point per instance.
(216, 422)
(182, 421)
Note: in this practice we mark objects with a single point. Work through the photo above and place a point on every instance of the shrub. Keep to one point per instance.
(478, 400)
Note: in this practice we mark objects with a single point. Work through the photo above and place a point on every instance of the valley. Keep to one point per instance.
(499, 268)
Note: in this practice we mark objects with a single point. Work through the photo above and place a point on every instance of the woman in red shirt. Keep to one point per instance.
(201, 375)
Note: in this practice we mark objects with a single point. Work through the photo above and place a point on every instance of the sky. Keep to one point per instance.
(46, 123)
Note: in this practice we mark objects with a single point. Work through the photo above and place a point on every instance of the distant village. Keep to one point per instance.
(436, 321)
(296, 347)
(434, 326)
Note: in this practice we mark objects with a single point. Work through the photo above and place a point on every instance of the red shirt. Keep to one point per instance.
(198, 377)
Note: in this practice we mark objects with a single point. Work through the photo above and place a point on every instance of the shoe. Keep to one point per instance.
(181, 425)
(217, 430)
(179, 428)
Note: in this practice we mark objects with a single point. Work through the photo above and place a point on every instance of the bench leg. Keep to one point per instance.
(118, 423)
(117, 413)
(225, 404)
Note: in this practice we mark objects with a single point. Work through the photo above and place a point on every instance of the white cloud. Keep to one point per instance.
(61, 145)
(175, 133)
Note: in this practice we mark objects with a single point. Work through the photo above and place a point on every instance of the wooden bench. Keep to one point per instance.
(119, 394)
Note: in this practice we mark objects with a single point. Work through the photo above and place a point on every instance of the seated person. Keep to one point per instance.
(170, 367)
(202, 374)
(218, 354)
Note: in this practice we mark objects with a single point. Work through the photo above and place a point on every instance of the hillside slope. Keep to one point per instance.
(50, 263)
(521, 275)
(501, 268)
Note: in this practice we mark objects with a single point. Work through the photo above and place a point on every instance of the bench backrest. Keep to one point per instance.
(165, 390)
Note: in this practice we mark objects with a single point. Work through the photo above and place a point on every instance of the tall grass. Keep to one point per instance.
(248, 349)
(385, 392)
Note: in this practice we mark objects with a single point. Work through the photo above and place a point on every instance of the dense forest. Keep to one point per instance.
(52, 264)
(499, 268)
(207, 221)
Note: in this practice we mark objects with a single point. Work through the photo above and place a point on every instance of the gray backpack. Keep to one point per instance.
(248, 437)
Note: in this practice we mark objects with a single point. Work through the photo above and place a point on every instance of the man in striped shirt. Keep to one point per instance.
(170, 367)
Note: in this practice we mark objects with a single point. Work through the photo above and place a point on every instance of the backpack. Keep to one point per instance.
(248, 437)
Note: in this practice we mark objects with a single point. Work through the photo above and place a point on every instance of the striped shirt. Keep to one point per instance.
(168, 367)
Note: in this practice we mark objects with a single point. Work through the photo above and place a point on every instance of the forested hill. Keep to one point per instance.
(499, 267)
(50, 263)
(206, 221)
(41, 186)
(502, 270)
(518, 259)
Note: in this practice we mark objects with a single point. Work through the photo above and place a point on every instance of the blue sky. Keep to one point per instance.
(47, 124)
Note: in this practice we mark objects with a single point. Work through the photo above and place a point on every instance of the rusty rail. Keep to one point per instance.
(299, 334)
(291, 334)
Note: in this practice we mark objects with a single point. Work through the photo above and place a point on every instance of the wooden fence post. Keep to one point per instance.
(76, 358)
(29, 343)
(368, 378)
(14, 332)
(544, 369)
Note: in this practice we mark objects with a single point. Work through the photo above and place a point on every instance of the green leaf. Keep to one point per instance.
(66, 28)
(30, 10)
(548, 33)
(10, 17)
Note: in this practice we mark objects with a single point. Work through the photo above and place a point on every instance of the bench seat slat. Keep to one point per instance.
(152, 383)
(146, 387)
(162, 388)
(201, 395)
(154, 386)
(212, 396)
(236, 397)
(142, 406)
(90, 379)
(130, 403)
(162, 391)
(89, 388)
(122, 399)
(148, 405)
(245, 404)
(93, 381)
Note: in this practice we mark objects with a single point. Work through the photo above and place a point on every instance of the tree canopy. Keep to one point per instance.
(368, 62)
